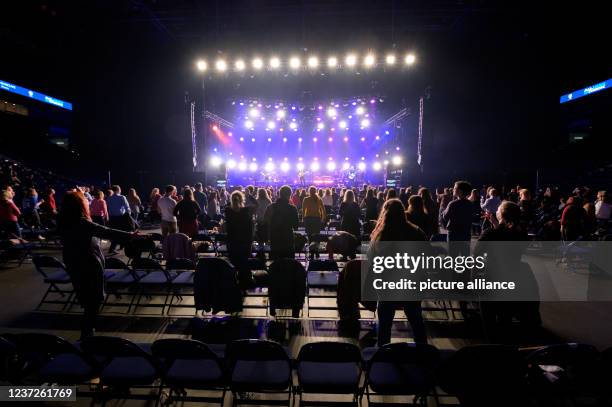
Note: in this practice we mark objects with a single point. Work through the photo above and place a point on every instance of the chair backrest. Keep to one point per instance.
(440, 237)
(180, 264)
(320, 238)
(44, 263)
(299, 241)
(110, 347)
(207, 263)
(329, 352)
(175, 348)
(254, 350)
(322, 265)
(420, 354)
(9, 363)
(114, 263)
(146, 264)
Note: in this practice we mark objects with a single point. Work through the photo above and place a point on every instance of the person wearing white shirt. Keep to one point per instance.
(165, 206)
(603, 208)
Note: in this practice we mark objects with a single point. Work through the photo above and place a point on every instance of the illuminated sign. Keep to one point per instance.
(586, 91)
(9, 87)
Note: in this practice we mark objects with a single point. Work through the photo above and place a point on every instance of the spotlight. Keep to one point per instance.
(253, 167)
(331, 112)
(361, 166)
(269, 166)
(363, 139)
(231, 164)
(293, 126)
(230, 134)
(284, 139)
(397, 160)
(242, 166)
(253, 139)
(299, 166)
(299, 139)
(369, 60)
(315, 166)
(274, 63)
(313, 62)
(239, 65)
(387, 132)
(390, 59)
(215, 161)
(294, 62)
(346, 166)
(241, 138)
(386, 162)
(331, 166)
(351, 60)
(330, 139)
(257, 63)
(284, 166)
(271, 125)
(342, 124)
(376, 166)
(345, 139)
(202, 65)
(280, 114)
(221, 65)
(314, 139)
(365, 123)
(320, 126)
(360, 110)
(377, 137)
(254, 113)
(410, 59)
(332, 62)
(215, 128)
(249, 125)
(397, 148)
(269, 140)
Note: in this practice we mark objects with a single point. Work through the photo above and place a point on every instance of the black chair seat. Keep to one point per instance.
(125, 277)
(130, 370)
(194, 373)
(334, 378)
(108, 274)
(251, 375)
(322, 279)
(57, 277)
(157, 277)
(184, 278)
(66, 368)
(392, 378)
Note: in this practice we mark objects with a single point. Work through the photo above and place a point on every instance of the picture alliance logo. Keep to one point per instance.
(412, 264)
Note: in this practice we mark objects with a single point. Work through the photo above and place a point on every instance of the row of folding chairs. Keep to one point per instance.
(180, 370)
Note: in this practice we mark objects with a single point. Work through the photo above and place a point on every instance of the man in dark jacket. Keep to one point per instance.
(281, 218)
(458, 214)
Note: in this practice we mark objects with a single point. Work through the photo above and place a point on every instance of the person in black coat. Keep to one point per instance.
(83, 256)
(350, 214)
(239, 228)
(281, 217)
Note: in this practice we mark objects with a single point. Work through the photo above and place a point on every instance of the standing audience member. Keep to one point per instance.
(166, 205)
(239, 228)
(200, 197)
(187, 212)
(135, 204)
(350, 215)
(416, 215)
(9, 214)
(573, 219)
(119, 214)
(153, 209)
(98, 209)
(431, 209)
(314, 213)
(281, 219)
(328, 201)
(263, 201)
(457, 218)
(214, 209)
(370, 203)
(603, 208)
(29, 208)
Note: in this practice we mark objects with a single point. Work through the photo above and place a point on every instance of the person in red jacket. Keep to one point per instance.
(9, 214)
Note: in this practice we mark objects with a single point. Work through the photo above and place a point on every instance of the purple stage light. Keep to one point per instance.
(241, 103)
(330, 139)
(354, 103)
(284, 139)
(377, 137)
(315, 139)
(269, 140)
(363, 139)
(292, 107)
(299, 139)
(350, 116)
(253, 139)
(397, 148)
(346, 158)
(215, 149)
(372, 101)
(362, 158)
(254, 159)
(241, 138)
(332, 129)
(230, 134)
(320, 107)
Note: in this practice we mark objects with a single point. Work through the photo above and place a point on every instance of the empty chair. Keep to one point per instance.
(11, 365)
(258, 366)
(468, 375)
(178, 246)
(189, 364)
(51, 359)
(155, 281)
(329, 368)
(564, 370)
(402, 369)
(124, 365)
(112, 266)
(180, 264)
(119, 277)
(183, 283)
(286, 286)
(55, 275)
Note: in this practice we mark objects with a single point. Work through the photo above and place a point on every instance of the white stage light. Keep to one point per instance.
(332, 62)
(248, 124)
(410, 59)
(390, 59)
(280, 114)
(271, 125)
(396, 160)
(284, 166)
(269, 166)
(254, 113)
(299, 166)
(239, 65)
(274, 63)
(231, 164)
(253, 167)
(293, 126)
(350, 60)
(320, 126)
(360, 110)
(331, 166)
(346, 166)
(221, 65)
(342, 124)
(215, 161)
(242, 166)
(313, 62)
(315, 166)
(361, 166)
(202, 65)
(365, 123)
(376, 166)
(257, 63)
(369, 60)
(294, 62)
(386, 162)
(331, 112)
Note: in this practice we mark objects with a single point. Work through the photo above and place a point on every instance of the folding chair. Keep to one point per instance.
(55, 275)
(182, 284)
(155, 282)
(119, 276)
(323, 277)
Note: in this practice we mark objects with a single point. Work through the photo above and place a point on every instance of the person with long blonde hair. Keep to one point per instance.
(239, 229)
